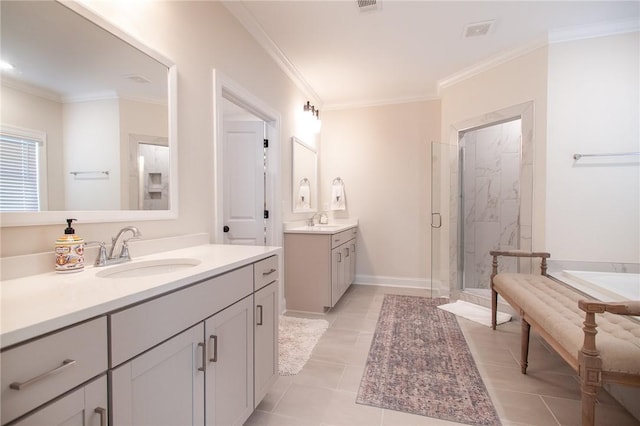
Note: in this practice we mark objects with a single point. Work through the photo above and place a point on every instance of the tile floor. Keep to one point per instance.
(324, 392)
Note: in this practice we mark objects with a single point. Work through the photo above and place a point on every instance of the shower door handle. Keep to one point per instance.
(433, 223)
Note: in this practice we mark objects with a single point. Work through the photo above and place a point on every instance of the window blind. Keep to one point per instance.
(18, 174)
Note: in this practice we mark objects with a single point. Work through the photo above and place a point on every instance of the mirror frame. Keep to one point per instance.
(294, 184)
(11, 219)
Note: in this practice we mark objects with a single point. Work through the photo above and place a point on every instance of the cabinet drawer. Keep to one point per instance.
(343, 237)
(42, 369)
(265, 272)
(141, 327)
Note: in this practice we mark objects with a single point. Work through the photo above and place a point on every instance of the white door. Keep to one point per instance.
(244, 183)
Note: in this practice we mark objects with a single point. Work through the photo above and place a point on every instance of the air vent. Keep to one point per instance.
(478, 29)
(365, 5)
(137, 78)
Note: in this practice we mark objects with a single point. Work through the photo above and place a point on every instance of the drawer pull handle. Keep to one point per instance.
(259, 307)
(65, 364)
(103, 415)
(269, 272)
(215, 348)
(204, 356)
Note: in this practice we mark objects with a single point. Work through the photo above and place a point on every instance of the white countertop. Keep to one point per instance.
(38, 304)
(320, 229)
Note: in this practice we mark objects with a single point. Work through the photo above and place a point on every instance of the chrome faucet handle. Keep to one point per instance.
(101, 260)
(114, 241)
(310, 221)
(124, 253)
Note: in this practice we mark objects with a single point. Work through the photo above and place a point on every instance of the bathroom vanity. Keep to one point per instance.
(183, 337)
(320, 264)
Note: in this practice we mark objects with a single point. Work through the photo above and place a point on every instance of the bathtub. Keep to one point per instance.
(604, 286)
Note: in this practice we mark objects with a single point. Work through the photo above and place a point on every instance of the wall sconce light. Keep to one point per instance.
(313, 115)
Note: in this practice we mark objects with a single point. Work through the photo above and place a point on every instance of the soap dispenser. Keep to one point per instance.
(69, 251)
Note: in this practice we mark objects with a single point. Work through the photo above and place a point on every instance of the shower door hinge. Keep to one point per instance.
(265, 143)
(266, 214)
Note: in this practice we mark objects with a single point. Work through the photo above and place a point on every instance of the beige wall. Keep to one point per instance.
(593, 204)
(28, 111)
(198, 37)
(137, 118)
(517, 81)
(382, 155)
(90, 129)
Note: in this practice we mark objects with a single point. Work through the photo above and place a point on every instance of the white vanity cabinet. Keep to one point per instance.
(201, 351)
(265, 326)
(42, 369)
(86, 406)
(319, 267)
(164, 386)
(202, 375)
(229, 365)
(343, 264)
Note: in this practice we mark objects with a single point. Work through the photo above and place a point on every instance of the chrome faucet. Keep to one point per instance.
(310, 221)
(323, 218)
(124, 256)
(124, 252)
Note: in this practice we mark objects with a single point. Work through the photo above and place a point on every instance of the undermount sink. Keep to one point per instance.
(146, 268)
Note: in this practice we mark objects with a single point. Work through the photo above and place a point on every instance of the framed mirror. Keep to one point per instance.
(304, 177)
(96, 111)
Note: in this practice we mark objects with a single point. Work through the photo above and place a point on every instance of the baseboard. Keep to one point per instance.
(387, 281)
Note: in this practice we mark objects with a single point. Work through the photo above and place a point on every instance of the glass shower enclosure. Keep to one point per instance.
(481, 200)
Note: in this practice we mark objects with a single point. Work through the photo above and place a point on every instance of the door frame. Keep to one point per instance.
(226, 88)
(525, 112)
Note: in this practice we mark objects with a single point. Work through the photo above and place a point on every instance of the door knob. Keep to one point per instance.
(225, 228)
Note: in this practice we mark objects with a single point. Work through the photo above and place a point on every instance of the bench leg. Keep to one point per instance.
(590, 370)
(589, 393)
(494, 308)
(524, 345)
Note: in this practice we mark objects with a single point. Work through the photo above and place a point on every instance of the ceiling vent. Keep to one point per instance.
(137, 78)
(366, 5)
(478, 29)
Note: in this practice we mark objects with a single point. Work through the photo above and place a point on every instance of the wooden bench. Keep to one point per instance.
(566, 320)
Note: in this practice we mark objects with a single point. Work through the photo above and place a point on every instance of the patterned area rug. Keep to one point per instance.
(419, 363)
(297, 338)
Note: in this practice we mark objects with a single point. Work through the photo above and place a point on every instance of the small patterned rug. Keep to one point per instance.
(296, 340)
(419, 363)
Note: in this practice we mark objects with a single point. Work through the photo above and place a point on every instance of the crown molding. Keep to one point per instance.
(600, 29)
(24, 87)
(489, 63)
(381, 102)
(248, 21)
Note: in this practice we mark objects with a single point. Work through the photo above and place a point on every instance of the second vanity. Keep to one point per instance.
(320, 264)
(184, 342)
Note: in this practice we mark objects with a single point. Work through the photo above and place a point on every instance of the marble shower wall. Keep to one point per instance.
(491, 158)
(155, 176)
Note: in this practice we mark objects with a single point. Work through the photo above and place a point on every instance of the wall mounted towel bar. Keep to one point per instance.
(616, 154)
(91, 175)
(105, 172)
